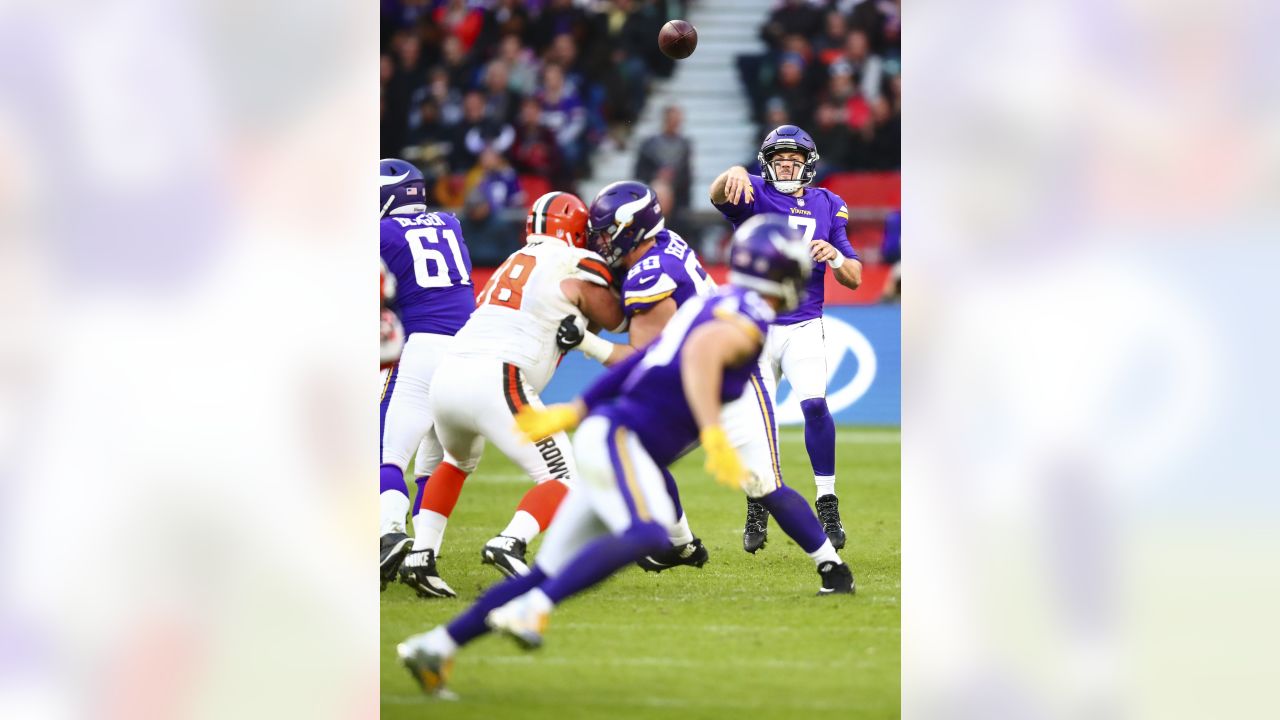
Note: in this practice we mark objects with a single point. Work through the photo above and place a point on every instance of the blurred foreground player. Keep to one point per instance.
(499, 362)
(641, 416)
(796, 348)
(428, 260)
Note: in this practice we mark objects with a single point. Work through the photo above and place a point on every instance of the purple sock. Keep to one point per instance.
(673, 491)
(421, 480)
(604, 556)
(819, 436)
(392, 479)
(795, 517)
(470, 624)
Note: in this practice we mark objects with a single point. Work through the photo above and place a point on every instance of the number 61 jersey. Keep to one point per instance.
(432, 269)
(520, 309)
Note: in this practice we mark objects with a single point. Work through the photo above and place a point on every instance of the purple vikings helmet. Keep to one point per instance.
(788, 138)
(622, 216)
(402, 186)
(772, 258)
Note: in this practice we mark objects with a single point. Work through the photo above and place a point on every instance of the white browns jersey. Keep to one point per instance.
(520, 309)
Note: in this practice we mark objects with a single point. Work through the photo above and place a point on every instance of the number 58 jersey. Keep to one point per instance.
(520, 309)
(432, 270)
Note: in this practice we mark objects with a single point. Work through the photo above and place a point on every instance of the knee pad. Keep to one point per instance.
(814, 409)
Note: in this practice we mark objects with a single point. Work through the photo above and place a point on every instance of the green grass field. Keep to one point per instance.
(744, 635)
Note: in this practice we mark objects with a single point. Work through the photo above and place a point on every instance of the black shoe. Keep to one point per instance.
(506, 554)
(756, 532)
(418, 571)
(392, 549)
(690, 553)
(829, 515)
(429, 669)
(837, 578)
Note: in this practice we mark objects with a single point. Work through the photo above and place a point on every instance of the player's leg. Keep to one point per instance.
(686, 548)
(405, 416)
(598, 507)
(462, 446)
(628, 495)
(755, 531)
(430, 455)
(749, 423)
(804, 362)
(548, 462)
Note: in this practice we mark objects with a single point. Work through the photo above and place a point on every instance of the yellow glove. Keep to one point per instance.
(538, 423)
(722, 459)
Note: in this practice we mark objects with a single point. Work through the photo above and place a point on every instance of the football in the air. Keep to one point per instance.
(678, 39)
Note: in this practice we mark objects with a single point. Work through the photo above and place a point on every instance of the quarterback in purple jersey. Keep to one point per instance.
(427, 257)
(795, 348)
(641, 415)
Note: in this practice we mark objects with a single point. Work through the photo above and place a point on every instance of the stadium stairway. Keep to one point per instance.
(717, 114)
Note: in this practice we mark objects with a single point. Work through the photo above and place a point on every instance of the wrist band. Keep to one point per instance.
(837, 261)
(596, 347)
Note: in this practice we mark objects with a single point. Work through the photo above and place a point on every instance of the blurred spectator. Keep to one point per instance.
(500, 102)
(477, 131)
(666, 157)
(505, 17)
(562, 113)
(522, 65)
(558, 17)
(494, 188)
(793, 90)
(456, 63)
(460, 21)
(775, 114)
(866, 67)
(791, 17)
(830, 45)
(833, 138)
(535, 151)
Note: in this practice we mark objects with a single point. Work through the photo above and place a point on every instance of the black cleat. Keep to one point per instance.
(392, 549)
(506, 554)
(756, 532)
(691, 553)
(418, 571)
(837, 578)
(829, 515)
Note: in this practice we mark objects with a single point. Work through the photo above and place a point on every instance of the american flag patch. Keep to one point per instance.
(411, 190)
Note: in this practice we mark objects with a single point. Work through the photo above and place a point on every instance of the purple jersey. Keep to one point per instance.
(670, 269)
(819, 213)
(645, 392)
(429, 259)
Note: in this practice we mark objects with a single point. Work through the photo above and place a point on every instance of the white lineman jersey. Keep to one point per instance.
(519, 311)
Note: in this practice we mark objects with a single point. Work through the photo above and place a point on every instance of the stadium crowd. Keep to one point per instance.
(834, 68)
(498, 101)
(477, 93)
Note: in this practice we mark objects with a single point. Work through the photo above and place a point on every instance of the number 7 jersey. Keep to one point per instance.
(432, 269)
(521, 307)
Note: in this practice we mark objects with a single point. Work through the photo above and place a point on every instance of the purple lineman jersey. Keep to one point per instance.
(645, 392)
(429, 258)
(819, 213)
(670, 269)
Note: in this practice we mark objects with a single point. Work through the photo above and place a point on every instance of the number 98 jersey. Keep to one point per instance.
(432, 269)
(520, 309)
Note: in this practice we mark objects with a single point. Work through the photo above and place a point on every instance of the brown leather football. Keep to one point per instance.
(678, 39)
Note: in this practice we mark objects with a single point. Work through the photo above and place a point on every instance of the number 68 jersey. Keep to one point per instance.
(432, 270)
(520, 309)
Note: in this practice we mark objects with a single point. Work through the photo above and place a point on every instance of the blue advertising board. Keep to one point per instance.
(864, 373)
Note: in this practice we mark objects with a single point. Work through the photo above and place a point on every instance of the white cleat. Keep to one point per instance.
(520, 620)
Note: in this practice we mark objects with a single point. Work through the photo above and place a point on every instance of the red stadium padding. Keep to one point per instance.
(534, 187)
(873, 279)
(867, 189)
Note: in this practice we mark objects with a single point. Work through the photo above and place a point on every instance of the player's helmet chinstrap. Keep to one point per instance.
(769, 256)
(788, 138)
(622, 216)
(403, 188)
(560, 215)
